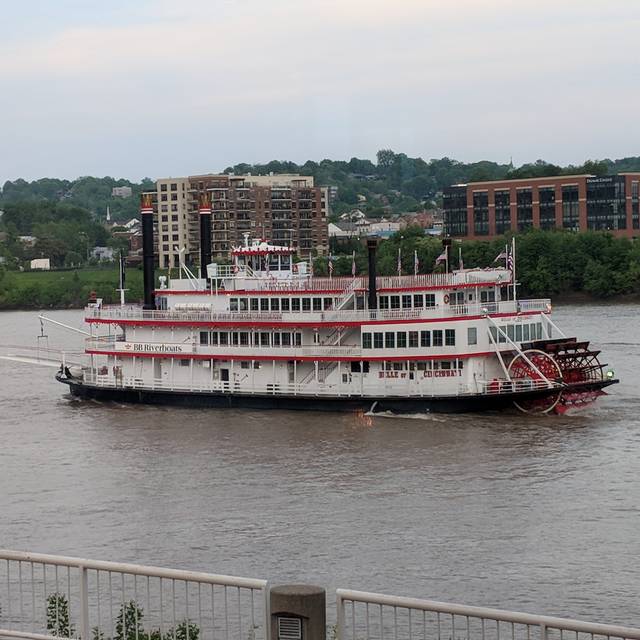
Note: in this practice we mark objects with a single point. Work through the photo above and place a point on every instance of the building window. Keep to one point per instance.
(481, 213)
(503, 211)
(570, 208)
(524, 200)
(454, 202)
(547, 199)
(606, 204)
(472, 335)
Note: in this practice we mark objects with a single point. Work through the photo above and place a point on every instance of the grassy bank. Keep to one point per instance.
(64, 289)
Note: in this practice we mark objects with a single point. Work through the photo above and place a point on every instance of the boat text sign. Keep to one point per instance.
(154, 347)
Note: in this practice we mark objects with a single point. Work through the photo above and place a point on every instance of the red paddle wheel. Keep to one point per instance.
(536, 365)
(564, 360)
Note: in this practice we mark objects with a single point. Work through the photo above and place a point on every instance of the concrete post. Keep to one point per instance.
(298, 612)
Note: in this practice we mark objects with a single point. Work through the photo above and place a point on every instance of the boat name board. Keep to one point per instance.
(154, 347)
(438, 373)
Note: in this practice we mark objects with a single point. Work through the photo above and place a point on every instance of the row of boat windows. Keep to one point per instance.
(280, 304)
(517, 332)
(408, 301)
(243, 339)
(409, 339)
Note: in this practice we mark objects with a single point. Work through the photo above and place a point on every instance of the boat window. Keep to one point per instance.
(306, 304)
(518, 333)
(377, 341)
(286, 339)
(539, 330)
(317, 304)
(389, 340)
(425, 338)
(244, 339)
(233, 304)
(275, 304)
(264, 304)
(450, 337)
(204, 337)
(285, 262)
(406, 302)
(264, 339)
(472, 335)
(510, 332)
(224, 339)
(413, 339)
(384, 302)
(445, 364)
(184, 363)
(243, 304)
(395, 302)
(328, 304)
(401, 339)
(284, 304)
(255, 304)
(525, 332)
(235, 339)
(298, 339)
(245, 365)
(295, 304)
(275, 339)
(366, 341)
(418, 300)
(429, 299)
(213, 336)
(501, 337)
(437, 337)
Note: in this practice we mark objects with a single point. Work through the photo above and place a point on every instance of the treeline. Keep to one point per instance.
(393, 183)
(548, 263)
(93, 194)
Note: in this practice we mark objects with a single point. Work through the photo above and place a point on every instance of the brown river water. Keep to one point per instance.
(540, 513)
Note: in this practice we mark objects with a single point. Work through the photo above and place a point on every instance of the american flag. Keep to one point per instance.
(510, 261)
(501, 256)
(442, 257)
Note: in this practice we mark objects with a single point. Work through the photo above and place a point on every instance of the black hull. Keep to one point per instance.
(397, 405)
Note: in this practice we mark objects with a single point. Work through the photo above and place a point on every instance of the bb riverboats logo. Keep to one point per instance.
(149, 347)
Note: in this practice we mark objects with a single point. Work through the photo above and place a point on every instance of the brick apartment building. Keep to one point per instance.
(285, 209)
(483, 210)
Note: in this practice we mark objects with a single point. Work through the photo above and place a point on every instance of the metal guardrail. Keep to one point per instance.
(374, 616)
(365, 315)
(46, 597)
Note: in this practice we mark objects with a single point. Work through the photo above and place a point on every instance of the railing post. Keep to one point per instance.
(543, 631)
(340, 617)
(84, 603)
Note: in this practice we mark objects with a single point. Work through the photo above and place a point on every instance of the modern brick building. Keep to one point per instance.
(584, 202)
(282, 209)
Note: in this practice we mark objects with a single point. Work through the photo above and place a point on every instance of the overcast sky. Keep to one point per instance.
(133, 88)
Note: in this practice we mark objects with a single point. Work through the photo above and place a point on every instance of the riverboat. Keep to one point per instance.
(264, 332)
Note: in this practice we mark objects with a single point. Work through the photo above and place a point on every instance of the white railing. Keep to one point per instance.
(374, 616)
(420, 386)
(356, 316)
(46, 597)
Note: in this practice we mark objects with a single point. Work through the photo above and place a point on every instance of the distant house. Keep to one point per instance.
(102, 253)
(121, 192)
(43, 264)
(134, 222)
(28, 241)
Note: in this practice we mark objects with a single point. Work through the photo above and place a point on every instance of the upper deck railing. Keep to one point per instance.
(132, 313)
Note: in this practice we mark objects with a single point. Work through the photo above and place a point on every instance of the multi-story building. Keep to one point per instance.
(284, 209)
(583, 202)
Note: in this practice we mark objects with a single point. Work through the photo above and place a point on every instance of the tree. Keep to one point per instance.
(58, 616)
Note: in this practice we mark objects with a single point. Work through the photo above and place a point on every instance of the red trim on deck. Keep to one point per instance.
(199, 356)
(276, 323)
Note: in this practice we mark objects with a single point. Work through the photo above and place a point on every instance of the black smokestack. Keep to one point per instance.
(205, 233)
(148, 259)
(372, 244)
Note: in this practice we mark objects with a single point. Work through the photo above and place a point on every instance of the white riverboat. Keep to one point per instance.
(264, 332)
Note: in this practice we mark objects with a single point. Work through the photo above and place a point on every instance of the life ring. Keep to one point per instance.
(446, 298)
